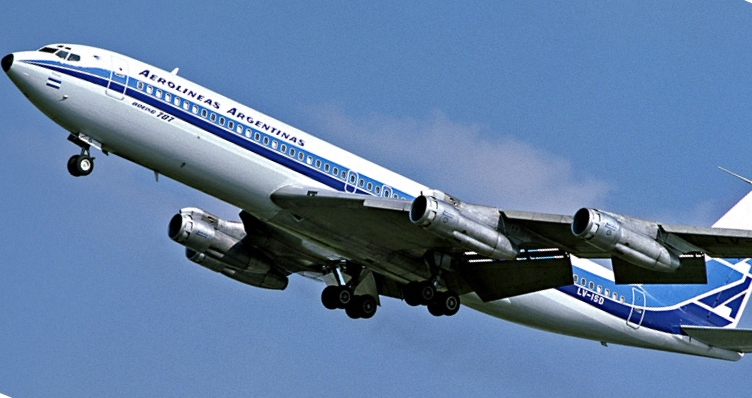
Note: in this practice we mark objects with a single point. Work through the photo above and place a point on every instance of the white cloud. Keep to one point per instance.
(469, 161)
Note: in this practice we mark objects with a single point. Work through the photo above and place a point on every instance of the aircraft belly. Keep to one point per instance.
(556, 312)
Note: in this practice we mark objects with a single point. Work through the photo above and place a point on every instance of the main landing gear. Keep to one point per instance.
(83, 164)
(425, 293)
(342, 295)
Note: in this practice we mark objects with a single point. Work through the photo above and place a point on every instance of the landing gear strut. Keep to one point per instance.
(82, 164)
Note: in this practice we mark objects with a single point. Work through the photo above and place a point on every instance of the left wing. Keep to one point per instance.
(378, 232)
(511, 248)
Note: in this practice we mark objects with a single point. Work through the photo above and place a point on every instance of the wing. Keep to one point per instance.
(378, 232)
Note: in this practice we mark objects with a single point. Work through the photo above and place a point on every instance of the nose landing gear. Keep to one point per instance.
(83, 164)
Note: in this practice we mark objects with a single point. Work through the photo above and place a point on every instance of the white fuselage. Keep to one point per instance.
(240, 168)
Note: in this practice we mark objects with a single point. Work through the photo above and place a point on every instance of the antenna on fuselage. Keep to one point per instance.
(175, 71)
(745, 179)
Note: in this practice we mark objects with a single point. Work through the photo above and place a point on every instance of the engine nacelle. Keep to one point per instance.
(210, 237)
(271, 279)
(444, 220)
(605, 232)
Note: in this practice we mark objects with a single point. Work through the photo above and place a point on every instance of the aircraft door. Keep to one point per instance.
(351, 184)
(118, 78)
(637, 313)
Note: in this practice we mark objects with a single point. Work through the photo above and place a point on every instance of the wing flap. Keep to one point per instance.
(739, 340)
(527, 274)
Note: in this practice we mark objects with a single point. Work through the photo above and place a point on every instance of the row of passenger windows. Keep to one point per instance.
(598, 289)
(290, 151)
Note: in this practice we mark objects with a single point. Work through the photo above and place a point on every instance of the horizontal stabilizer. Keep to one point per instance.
(739, 340)
(530, 272)
(691, 271)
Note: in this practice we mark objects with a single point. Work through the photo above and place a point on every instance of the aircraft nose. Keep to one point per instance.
(7, 62)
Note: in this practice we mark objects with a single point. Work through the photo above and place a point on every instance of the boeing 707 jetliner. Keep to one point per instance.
(310, 208)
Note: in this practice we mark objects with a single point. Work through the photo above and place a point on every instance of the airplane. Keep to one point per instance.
(310, 208)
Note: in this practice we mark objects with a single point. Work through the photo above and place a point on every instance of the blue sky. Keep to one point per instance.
(627, 106)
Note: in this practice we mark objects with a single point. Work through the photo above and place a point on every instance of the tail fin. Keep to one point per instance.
(729, 278)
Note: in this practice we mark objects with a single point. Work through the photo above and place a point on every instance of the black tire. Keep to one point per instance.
(343, 296)
(367, 305)
(353, 309)
(72, 168)
(329, 297)
(435, 308)
(426, 293)
(84, 165)
(450, 303)
(410, 294)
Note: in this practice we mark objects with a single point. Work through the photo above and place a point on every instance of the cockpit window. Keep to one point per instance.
(62, 54)
(74, 57)
(48, 50)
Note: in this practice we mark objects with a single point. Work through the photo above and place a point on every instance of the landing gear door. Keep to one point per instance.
(118, 78)
(637, 313)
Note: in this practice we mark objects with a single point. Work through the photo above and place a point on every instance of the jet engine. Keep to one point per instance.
(219, 245)
(445, 220)
(606, 232)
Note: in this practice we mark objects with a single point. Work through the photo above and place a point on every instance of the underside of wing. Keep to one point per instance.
(739, 340)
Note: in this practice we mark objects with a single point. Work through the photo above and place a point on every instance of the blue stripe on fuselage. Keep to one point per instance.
(101, 77)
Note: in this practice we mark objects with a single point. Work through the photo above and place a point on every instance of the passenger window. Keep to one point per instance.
(352, 178)
(395, 196)
(301, 155)
(335, 171)
(292, 152)
(266, 140)
(186, 105)
(204, 113)
(361, 183)
(257, 136)
(274, 144)
(583, 281)
(309, 160)
(326, 167)
(615, 296)
(591, 285)
(149, 89)
(598, 289)
(140, 85)
(168, 97)
(177, 101)
(230, 124)
(343, 175)
(159, 93)
(213, 117)
(248, 133)
(222, 121)
(607, 293)
(318, 164)
(194, 109)
(369, 186)
(575, 278)
(283, 148)
(378, 190)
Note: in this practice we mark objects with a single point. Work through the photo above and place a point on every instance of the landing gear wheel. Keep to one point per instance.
(329, 297)
(435, 308)
(426, 292)
(410, 294)
(361, 307)
(449, 302)
(80, 165)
